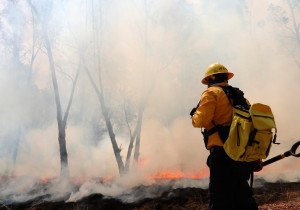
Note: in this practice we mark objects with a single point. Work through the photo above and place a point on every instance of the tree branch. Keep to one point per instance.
(71, 96)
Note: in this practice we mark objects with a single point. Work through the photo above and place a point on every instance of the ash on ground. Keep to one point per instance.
(175, 194)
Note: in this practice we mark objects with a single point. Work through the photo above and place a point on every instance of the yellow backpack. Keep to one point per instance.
(251, 130)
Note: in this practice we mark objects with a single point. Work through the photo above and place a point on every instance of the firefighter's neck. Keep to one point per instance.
(218, 84)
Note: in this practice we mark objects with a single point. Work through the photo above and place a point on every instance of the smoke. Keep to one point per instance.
(156, 51)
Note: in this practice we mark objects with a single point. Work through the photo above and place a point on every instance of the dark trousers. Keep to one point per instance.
(228, 187)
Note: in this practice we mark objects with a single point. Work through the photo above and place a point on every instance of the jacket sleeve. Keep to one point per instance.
(204, 115)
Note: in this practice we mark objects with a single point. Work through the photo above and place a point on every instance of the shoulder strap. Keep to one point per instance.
(236, 97)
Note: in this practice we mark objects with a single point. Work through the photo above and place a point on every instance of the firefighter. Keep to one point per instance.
(228, 182)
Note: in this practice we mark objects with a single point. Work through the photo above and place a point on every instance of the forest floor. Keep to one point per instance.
(269, 196)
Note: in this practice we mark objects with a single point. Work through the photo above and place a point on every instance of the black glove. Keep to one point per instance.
(257, 166)
(193, 111)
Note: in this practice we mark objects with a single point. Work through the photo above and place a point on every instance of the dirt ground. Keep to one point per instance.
(277, 196)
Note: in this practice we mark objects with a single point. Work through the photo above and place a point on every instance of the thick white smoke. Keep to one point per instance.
(153, 49)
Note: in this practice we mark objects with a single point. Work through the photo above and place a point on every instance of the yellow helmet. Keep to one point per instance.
(215, 68)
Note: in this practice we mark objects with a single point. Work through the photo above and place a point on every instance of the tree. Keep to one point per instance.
(18, 72)
(123, 167)
(61, 117)
(152, 66)
(287, 17)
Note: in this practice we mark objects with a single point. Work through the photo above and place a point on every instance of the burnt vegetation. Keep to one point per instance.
(279, 195)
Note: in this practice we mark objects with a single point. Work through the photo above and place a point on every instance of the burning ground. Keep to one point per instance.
(155, 194)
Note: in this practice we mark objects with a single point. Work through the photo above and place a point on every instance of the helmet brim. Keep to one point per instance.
(205, 82)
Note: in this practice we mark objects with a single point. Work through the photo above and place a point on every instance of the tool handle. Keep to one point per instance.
(276, 158)
(294, 151)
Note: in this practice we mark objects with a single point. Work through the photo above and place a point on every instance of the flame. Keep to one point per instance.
(173, 173)
(46, 180)
(178, 174)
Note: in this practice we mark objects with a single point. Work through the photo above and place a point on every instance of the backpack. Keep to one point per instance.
(251, 130)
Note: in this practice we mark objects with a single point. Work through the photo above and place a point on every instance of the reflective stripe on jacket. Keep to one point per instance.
(214, 108)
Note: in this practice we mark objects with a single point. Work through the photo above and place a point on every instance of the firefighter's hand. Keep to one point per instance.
(193, 111)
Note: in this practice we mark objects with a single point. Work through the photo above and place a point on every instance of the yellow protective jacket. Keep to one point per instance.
(214, 108)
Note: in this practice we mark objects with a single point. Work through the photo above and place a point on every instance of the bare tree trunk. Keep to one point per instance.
(146, 96)
(130, 146)
(61, 121)
(143, 104)
(112, 136)
(135, 137)
(148, 90)
(99, 91)
(19, 136)
(138, 137)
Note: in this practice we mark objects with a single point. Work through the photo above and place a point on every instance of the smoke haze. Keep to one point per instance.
(152, 51)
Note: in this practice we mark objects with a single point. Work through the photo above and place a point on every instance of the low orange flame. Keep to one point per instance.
(177, 174)
(45, 180)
